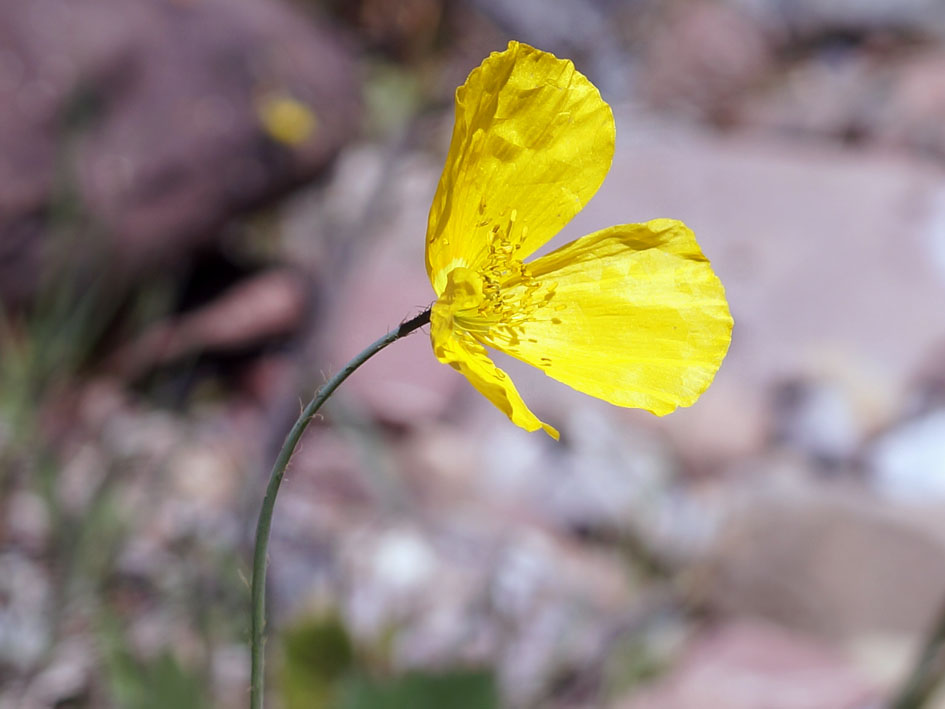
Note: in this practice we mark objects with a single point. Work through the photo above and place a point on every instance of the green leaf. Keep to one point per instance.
(318, 654)
(456, 689)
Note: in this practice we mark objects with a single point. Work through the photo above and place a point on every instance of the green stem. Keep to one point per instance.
(264, 525)
(927, 673)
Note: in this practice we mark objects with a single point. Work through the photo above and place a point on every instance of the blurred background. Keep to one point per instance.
(208, 206)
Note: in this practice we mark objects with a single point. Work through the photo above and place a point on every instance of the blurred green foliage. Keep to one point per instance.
(321, 671)
(159, 683)
(392, 98)
(457, 689)
(318, 655)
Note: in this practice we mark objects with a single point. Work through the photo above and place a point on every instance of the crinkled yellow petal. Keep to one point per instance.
(532, 142)
(636, 317)
(468, 357)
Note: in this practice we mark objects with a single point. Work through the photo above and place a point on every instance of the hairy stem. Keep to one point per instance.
(263, 527)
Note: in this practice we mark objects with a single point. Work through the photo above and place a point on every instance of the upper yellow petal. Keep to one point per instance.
(459, 350)
(532, 142)
(635, 316)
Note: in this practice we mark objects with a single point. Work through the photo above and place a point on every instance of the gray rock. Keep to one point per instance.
(814, 17)
(702, 56)
(582, 30)
(819, 419)
(24, 615)
(907, 464)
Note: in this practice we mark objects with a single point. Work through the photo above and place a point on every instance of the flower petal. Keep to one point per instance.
(637, 317)
(532, 142)
(470, 358)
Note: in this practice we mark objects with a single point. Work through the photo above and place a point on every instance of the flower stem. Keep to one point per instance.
(928, 671)
(264, 525)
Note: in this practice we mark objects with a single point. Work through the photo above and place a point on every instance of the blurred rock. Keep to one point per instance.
(934, 241)
(66, 679)
(929, 386)
(829, 562)
(608, 479)
(838, 99)
(887, 660)
(260, 308)
(613, 477)
(747, 664)
(27, 521)
(913, 113)
(202, 475)
(445, 576)
(895, 99)
(408, 29)
(582, 30)
(150, 109)
(795, 232)
(230, 672)
(385, 285)
(404, 385)
(405, 561)
(26, 590)
(506, 593)
(702, 57)
(828, 415)
(907, 463)
(816, 18)
(846, 71)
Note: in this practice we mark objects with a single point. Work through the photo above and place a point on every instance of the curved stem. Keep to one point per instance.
(264, 525)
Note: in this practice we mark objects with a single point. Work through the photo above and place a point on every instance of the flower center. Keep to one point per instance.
(462, 301)
(494, 304)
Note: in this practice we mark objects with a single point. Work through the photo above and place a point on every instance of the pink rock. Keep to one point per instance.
(829, 562)
(747, 664)
(268, 305)
(404, 384)
(147, 109)
(824, 253)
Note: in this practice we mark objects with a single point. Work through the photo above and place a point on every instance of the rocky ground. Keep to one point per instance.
(780, 544)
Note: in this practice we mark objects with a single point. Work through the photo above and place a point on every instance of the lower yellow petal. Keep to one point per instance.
(467, 356)
(636, 317)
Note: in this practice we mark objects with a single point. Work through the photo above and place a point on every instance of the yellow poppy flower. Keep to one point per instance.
(632, 314)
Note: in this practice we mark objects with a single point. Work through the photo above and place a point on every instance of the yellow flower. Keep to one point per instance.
(632, 314)
(286, 119)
